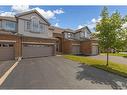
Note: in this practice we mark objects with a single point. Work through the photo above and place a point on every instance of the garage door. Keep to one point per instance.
(75, 49)
(6, 51)
(94, 50)
(29, 51)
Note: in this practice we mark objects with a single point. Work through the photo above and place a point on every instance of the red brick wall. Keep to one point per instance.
(67, 46)
(17, 45)
(86, 48)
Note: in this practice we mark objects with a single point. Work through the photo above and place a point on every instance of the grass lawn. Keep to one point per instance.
(120, 69)
(116, 54)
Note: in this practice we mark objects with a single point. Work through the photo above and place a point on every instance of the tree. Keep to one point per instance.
(109, 27)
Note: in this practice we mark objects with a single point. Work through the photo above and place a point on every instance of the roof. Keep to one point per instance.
(69, 30)
(79, 30)
(57, 29)
(32, 11)
(8, 18)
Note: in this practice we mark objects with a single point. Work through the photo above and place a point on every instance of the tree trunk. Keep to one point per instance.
(107, 57)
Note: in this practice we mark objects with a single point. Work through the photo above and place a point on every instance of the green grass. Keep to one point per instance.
(115, 54)
(120, 69)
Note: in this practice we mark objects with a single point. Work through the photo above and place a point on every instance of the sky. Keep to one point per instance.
(72, 17)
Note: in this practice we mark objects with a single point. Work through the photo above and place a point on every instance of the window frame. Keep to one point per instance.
(35, 24)
(9, 25)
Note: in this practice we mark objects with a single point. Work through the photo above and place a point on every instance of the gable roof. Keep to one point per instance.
(57, 29)
(79, 30)
(8, 18)
(32, 11)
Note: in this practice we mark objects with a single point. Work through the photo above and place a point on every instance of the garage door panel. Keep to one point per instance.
(75, 49)
(6, 53)
(37, 51)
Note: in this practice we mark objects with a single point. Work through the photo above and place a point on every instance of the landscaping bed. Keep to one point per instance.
(117, 68)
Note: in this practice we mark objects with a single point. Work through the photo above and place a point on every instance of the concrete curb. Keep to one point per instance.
(6, 74)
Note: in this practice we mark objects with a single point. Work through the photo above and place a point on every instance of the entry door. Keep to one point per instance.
(37, 50)
(6, 51)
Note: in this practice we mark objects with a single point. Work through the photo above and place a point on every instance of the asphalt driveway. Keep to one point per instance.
(59, 73)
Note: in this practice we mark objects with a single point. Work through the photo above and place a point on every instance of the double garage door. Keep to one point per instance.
(7, 51)
(29, 50)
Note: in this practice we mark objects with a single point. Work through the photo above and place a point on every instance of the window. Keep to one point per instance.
(35, 24)
(69, 35)
(5, 45)
(11, 45)
(42, 28)
(9, 25)
(28, 25)
(82, 34)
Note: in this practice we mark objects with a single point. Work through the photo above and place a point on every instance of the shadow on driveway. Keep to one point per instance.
(98, 76)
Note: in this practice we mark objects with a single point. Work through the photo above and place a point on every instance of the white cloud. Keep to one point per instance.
(91, 24)
(80, 26)
(93, 20)
(20, 8)
(11, 14)
(60, 11)
(57, 25)
(48, 14)
(14, 10)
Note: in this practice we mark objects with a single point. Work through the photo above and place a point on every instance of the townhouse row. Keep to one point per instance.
(29, 34)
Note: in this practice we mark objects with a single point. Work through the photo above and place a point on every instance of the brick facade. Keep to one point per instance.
(18, 40)
(17, 43)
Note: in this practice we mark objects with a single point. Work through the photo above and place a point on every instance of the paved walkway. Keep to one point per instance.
(116, 59)
(59, 73)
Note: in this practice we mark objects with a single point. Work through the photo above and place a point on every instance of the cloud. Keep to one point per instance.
(93, 20)
(80, 26)
(48, 14)
(57, 25)
(11, 14)
(60, 11)
(19, 8)
(91, 24)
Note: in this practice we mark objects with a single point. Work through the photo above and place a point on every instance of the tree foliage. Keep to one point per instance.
(110, 31)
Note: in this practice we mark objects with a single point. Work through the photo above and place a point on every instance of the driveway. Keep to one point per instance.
(5, 65)
(59, 73)
(117, 59)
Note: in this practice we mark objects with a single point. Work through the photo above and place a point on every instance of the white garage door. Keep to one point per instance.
(6, 51)
(75, 49)
(94, 50)
(37, 50)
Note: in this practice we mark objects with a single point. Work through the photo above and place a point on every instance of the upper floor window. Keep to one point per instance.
(42, 27)
(82, 34)
(35, 24)
(28, 25)
(9, 25)
(70, 35)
